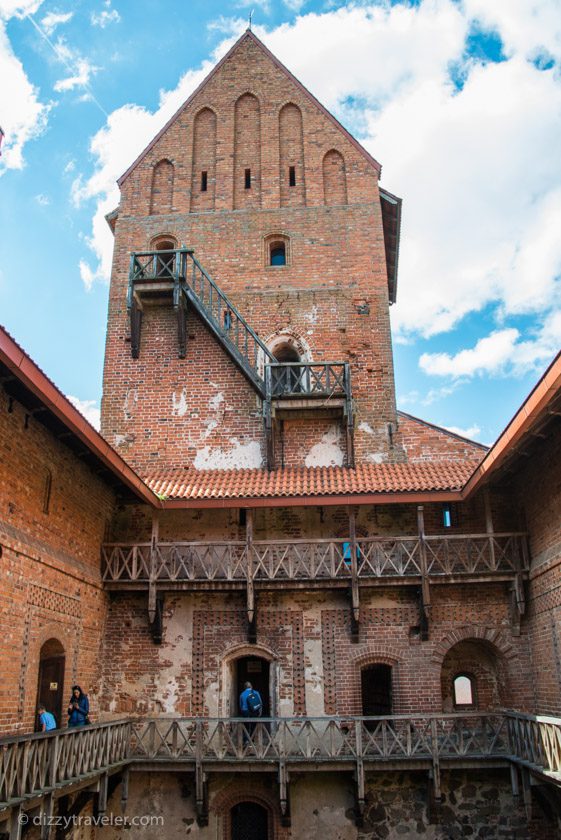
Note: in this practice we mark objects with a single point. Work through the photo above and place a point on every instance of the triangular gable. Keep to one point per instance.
(248, 34)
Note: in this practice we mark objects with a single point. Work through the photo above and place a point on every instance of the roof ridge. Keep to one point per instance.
(443, 429)
(249, 35)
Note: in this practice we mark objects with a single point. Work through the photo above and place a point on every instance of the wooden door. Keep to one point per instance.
(250, 821)
(51, 686)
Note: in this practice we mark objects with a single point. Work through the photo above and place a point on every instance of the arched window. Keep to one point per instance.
(463, 691)
(277, 250)
(278, 253)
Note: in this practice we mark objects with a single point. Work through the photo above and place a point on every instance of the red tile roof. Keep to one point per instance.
(290, 482)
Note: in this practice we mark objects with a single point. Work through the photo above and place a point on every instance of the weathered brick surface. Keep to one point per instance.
(51, 585)
(537, 487)
(161, 411)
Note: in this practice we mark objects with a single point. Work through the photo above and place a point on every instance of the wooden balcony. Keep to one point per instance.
(36, 769)
(304, 563)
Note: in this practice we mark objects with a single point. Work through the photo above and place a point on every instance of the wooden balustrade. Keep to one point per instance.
(32, 765)
(471, 735)
(43, 765)
(316, 560)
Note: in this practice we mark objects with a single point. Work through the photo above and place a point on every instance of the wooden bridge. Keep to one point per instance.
(36, 770)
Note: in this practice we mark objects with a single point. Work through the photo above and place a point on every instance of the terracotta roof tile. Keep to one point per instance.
(312, 481)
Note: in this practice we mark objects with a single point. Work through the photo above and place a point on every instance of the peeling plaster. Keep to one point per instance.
(326, 453)
(366, 427)
(131, 400)
(313, 315)
(240, 456)
(179, 403)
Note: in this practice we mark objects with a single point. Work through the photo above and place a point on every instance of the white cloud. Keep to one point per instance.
(106, 16)
(479, 167)
(471, 432)
(54, 19)
(88, 408)
(42, 200)
(18, 8)
(501, 352)
(23, 115)
(81, 78)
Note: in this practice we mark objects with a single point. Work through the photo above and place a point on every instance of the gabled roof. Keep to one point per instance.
(249, 35)
(530, 423)
(25, 382)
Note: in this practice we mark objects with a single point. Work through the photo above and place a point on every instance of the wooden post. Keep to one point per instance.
(489, 526)
(514, 780)
(355, 596)
(249, 572)
(16, 823)
(360, 787)
(425, 587)
(153, 570)
(435, 761)
(124, 790)
(284, 795)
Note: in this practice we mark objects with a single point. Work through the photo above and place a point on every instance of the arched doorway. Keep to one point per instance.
(164, 264)
(257, 671)
(376, 688)
(288, 379)
(474, 676)
(50, 688)
(250, 821)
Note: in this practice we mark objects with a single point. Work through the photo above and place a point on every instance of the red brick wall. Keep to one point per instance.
(51, 584)
(425, 442)
(537, 485)
(336, 267)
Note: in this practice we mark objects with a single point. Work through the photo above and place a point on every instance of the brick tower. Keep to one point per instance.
(295, 261)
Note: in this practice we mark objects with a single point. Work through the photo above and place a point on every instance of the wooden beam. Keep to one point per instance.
(355, 596)
(284, 795)
(153, 567)
(425, 586)
(489, 525)
(249, 569)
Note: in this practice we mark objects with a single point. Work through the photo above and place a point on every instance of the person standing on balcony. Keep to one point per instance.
(251, 706)
(78, 708)
(46, 719)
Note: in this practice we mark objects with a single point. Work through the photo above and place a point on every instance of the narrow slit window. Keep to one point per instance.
(248, 179)
(291, 176)
(47, 492)
(227, 319)
(449, 515)
(204, 181)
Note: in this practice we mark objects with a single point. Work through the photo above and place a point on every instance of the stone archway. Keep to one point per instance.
(484, 666)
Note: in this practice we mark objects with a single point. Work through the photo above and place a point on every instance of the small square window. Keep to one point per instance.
(248, 179)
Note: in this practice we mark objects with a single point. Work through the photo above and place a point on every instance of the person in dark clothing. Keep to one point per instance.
(78, 708)
(251, 706)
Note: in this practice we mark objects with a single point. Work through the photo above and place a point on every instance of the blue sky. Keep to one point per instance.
(459, 101)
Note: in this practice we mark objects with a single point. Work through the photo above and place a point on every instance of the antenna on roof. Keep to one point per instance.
(250, 17)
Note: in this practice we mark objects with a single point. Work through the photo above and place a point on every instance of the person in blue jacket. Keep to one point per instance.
(46, 719)
(78, 708)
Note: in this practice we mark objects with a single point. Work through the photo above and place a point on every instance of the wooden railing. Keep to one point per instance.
(308, 379)
(316, 560)
(536, 740)
(179, 271)
(321, 739)
(36, 764)
(39, 764)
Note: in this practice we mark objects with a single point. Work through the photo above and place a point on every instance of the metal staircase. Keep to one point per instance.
(157, 276)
